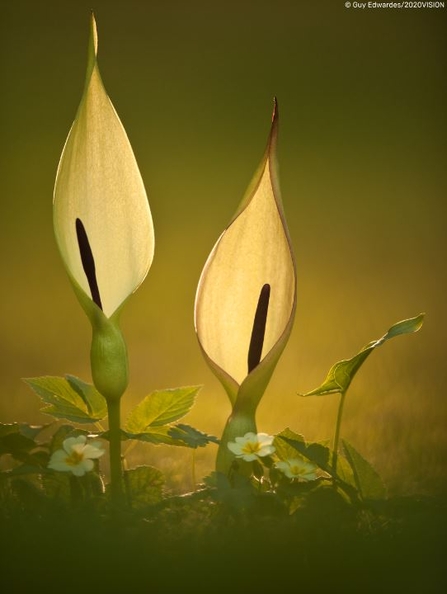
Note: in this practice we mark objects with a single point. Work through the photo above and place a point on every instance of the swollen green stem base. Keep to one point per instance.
(239, 423)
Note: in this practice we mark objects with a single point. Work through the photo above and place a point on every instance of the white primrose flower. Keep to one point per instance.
(76, 456)
(252, 446)
(297, 468)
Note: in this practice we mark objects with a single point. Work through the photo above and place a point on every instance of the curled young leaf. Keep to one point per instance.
(342, 373)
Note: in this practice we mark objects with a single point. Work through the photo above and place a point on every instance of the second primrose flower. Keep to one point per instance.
(298, 468)
(252, 446)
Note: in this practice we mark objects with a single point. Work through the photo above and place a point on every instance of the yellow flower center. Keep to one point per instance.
(74, 458)
(296, 470)
(251, 447)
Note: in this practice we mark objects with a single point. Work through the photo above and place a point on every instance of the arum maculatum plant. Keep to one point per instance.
(244, 311)
(104, 231)
(338, 381)
(246, 299)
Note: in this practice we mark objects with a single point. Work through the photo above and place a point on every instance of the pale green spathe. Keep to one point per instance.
(254, 250)
(98, 182)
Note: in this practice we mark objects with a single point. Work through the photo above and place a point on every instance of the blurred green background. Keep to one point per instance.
(362, 153)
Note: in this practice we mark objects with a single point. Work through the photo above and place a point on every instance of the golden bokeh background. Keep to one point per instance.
(362, 153)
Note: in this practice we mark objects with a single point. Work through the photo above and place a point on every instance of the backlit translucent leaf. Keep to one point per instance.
(161, 408)
(14, 441)
(367, 480)
(175, 435)
(342, 373)
(65, 402)
(155, 435)
(144, 486)
(315, 452)
(190, 436)
(96, 403)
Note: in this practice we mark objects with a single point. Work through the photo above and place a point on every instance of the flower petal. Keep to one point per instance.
(235, 448)
(71, 442)
(78, 470)
(90, 451)
(266, 450)
(88, 465)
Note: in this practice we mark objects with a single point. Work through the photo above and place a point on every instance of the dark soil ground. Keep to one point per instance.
(195, 544)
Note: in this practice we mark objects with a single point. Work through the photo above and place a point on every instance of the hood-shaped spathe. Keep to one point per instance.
(246, 296)
(102, 220)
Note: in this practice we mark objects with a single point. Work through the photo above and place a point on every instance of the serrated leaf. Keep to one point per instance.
(144, 486)
(62, 433)
(190, 437)
(96, 403)
(161, 408)
(342, 373)
(155, 435)
(283, 449)
(315, 452)
(14, 441)
(25, 469)
(63, 400)
(367, 480)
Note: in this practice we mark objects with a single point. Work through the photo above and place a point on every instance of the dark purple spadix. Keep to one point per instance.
(258, 332)
(88, 262)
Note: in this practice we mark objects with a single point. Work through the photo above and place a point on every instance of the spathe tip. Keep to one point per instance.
(275, 109)
(93, 33)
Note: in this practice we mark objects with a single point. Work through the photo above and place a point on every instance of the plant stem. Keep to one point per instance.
(116, 477)
(193, 469)
(337, 433)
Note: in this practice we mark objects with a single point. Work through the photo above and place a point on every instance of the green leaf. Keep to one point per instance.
(69, 398)
(17, 439)
(62, 433)
(155, 435)
(26, 469)
(144, 486)
(191, 437)
(96, 403)
(283, 449)
(237, 494)
(160, 408)
(368, 482)
(342, 373)
(175, 435)
(315, 452)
